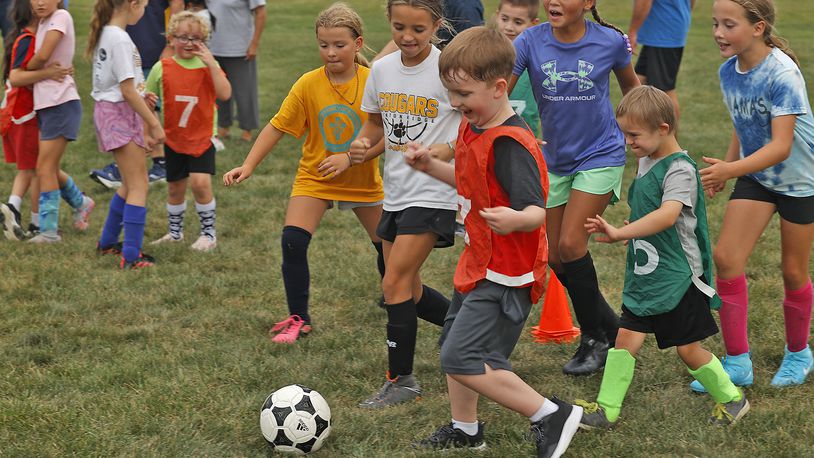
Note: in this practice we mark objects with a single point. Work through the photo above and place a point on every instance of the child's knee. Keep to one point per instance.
(295, 241)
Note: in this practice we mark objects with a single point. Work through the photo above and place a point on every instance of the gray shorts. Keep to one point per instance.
(350, 205)
(61, 120)
(483, 327)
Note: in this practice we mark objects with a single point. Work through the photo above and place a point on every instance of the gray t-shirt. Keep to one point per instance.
(235, 26)
(680, 185)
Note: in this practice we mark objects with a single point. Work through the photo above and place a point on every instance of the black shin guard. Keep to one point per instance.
(296, 276)
(402, 327)
(432, 306)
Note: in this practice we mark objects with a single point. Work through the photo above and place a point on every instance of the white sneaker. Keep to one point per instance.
(204, 244)
(219, 146)
(45, 237)
(167, 238)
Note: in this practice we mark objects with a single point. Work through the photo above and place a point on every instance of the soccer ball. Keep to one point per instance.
(295, 419)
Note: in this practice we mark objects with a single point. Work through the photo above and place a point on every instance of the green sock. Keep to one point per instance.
(717, 382)
(615, 382)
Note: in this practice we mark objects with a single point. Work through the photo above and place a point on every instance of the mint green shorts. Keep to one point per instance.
(595, 181)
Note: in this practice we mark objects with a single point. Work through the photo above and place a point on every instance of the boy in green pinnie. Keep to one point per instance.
(669, 264)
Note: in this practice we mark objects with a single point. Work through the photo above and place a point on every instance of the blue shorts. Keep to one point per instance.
(61, 120)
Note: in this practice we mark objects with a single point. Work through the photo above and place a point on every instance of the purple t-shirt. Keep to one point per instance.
(571, 84)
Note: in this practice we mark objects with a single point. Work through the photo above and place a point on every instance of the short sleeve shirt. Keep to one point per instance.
(775, 87)
(461, 15)
(116, 59)
(571, 85)
(49, 93)
(666, 25)
(235, 26)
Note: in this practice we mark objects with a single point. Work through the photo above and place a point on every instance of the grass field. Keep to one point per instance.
(175, 361)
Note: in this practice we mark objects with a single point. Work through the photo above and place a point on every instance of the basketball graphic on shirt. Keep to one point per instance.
(338, 125)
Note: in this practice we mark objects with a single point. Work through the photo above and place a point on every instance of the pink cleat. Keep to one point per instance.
(82, 214)
(290, 329)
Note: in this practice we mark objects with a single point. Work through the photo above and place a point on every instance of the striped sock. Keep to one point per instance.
(206, 213)
(175, 216)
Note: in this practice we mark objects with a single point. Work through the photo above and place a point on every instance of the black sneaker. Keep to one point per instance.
(553, 433)
(10, 220)
(33, 230)
(447, 437)
(589, 358)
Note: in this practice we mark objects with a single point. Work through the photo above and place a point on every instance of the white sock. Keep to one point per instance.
(545, 410)
(15, 201)
(470, 429)
(35, 218)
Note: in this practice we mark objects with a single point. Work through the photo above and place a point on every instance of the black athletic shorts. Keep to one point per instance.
(419, 220)
(179, 165)
(797, 210)
(690, 321)
(659, 66)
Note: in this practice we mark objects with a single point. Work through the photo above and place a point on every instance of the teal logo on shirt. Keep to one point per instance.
(581, 76)
(339, 125)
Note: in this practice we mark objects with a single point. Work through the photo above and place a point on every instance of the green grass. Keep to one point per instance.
(174, 361)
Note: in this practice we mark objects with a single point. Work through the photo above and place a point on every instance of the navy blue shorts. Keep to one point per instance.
(61, 120)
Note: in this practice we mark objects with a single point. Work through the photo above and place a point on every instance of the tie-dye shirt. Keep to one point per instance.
(775, 87)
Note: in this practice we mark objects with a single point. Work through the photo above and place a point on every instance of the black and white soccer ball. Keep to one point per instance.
(295, 419)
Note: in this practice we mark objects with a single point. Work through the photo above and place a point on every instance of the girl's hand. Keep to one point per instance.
(358, 150)
(502, 220)
(716, 175)
(597, 225)
(236, 175)
(156, 135)
(334, 164)
(712, 190)
(417, 156)
(151, 99)
(57, 72)
(204, 54)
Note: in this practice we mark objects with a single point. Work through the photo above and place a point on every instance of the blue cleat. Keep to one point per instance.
(108, 176)
(157, 173)
(738, 368)
(794, 369)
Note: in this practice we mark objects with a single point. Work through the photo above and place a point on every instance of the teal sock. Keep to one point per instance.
(49, 211)
(71, 193)
(716, 381)
(616, 380)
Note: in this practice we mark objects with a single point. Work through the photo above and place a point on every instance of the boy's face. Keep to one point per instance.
(642, 140)
(477, 101)
(513, 20)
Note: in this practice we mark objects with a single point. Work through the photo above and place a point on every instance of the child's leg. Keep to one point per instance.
(82, 205)
(744, 222)
(301, 220)
(50, 155)
(204, 203)
(796, 240)
(708, 370)
(22, 182)
(176, 207)
(369, 217)
(130, 160)
(618, 373)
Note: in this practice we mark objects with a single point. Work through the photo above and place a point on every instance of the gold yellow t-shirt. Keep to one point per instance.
(332, 122)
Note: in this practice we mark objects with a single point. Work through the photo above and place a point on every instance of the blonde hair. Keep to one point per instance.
(178, 18)
(102, 13)
(648, 106)
(341, 15)
(483, 53)
(763, 11)
(434, 7)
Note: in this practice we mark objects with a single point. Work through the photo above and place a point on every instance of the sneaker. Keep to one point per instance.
(46, 237)
(157, 173)
(460, 230)
(33, 230)
(290, 329)
(167, 238)
(794, 369)
(144, 260)
(204, 244)
(108, 176)
(729, 413)
(553, 433)
(116, 249)
(589, 357)
(593, 416)
(10, 219)
(401, 389)
(738, 368)
(82, 214)
(447, 437)
(219, 146)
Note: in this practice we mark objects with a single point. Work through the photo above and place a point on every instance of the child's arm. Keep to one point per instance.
(136, 101)
(23, 77)
(420, 158)
(265, 142)
(776, 151)
(627, 78)
(505, 220)
(335, 164)
(49, 43)
(372, 133)
(732, 154)
(223, 90)
(652, 223)
(513, 82)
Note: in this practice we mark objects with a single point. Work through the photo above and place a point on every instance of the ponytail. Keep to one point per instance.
(102, 13)
(600, 21)
(361, 59)
(775, 41)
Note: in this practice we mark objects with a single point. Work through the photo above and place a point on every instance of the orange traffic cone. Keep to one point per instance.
(555, 319)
